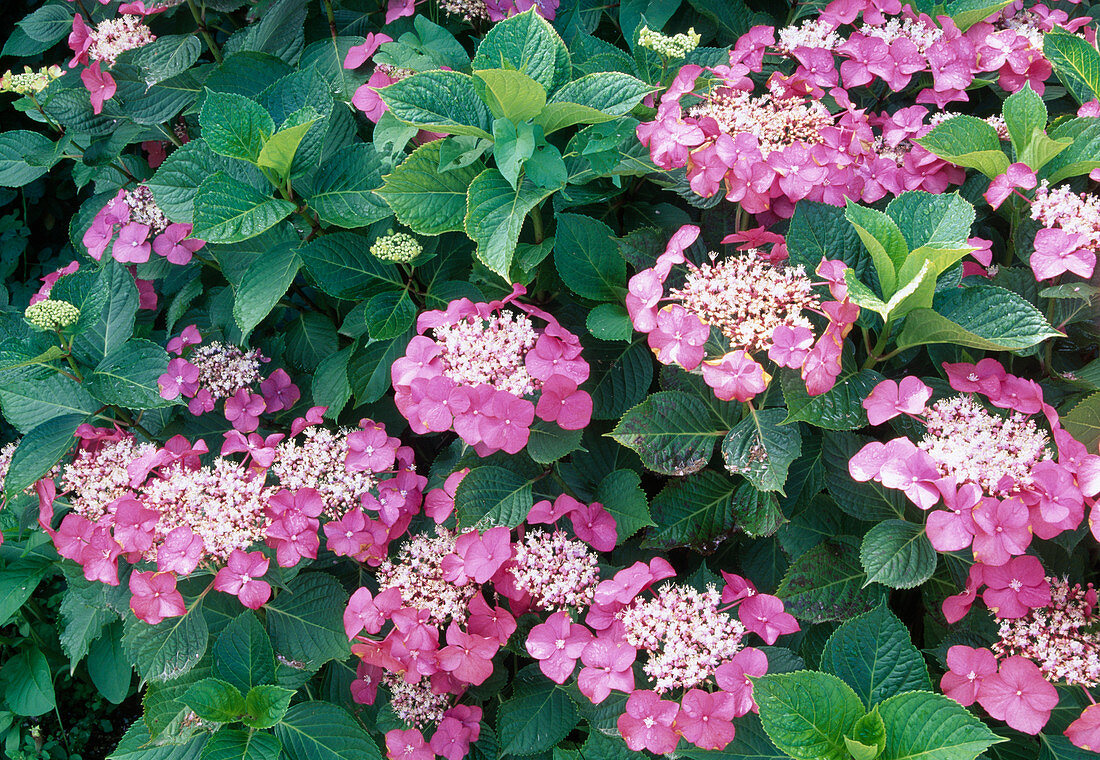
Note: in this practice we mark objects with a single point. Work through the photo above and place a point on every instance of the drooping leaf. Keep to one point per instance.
(263, 284)
(1083, 421)
(840, 408)
(622, 496)
(1076, 62)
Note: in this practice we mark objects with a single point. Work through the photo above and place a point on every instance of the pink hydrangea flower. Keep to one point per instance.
(132, 244)
(407, 745)
(607, 666)
(595, 526)
(1057, 252)
(1019, 695)
(764, 615)
(101, 87)
(175, 244)
(480, 366)
(888, 399)
(733, 678)
(1016, 175)
(705, 719)
(1017, 586)
(239, 578)
(557, 644)
(1085, 731)
(154, 596)
(967, 668)
(647, 723)
(467, 656)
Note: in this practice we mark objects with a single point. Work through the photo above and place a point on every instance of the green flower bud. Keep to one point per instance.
(676, 46)
(397, 247)
(51, 315)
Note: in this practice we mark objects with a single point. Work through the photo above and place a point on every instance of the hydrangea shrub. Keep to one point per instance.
(541, 378)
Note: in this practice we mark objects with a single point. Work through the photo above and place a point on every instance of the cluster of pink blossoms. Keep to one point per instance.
(771, 150)
(102, 45)
(1053, 642)
(137, 226)
(434, 590)
(166, 514)
(208, 373)
(998, 485)
(756, 302)
(486, 372)
(476, 11)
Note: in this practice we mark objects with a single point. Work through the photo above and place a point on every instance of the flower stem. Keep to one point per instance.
(205, 32)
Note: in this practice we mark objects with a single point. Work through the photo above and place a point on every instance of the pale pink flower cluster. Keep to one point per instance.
(815, 33)
(224, 368)
(974, 445)
(775, 122)
(144, 209)
(417, 573)
(558, 572)
(223, 504)
(921, 32)
(415, 703)
(747, 297)
(686, 635)
(318, 461)
(98, 476)
(491, 351)
(114, 36)
(1060, 638)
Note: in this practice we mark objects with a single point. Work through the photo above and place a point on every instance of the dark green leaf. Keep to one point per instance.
(492, 495)
(321, 731)
(306, 620)
(762, 449)
(897, 554)
(673, 433)
(826, 583)
(587, 259)
(229, 211)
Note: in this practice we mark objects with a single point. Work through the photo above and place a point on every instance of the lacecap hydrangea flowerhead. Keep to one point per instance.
(485, 370)
(752, 305)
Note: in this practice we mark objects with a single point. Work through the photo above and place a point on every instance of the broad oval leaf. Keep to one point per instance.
(673, 433)
(807, 714)
(897, 554)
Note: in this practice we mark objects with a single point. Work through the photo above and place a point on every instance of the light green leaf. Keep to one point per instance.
(761, 448)
(981, 316)
(439, 101)
(425, 199)
(215, 700)
(234, 744)
(526, 43)
(932, 727)
(969, 142)
(490, 496)
(873, 654)
(1024, 112)
(883, 240)
(495, 215)
(229, 211)
(673, 433)
(592, 99)
(510, 94)
(263, 284)
(266, 705)
(966, 13)
(235, 126)
(1076, 62)
(278, 152)
(807, 714)
(868, 736)
(897, 554)
(932, 221)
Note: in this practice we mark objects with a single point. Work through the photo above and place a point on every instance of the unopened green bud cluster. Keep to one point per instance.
(397, 247)
(52, 315)
(676, 46)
